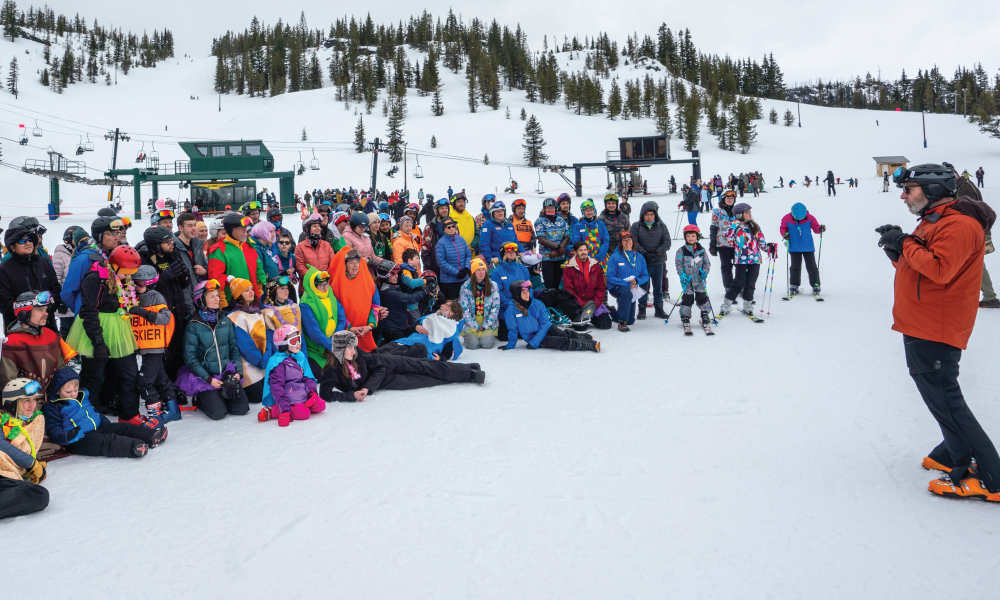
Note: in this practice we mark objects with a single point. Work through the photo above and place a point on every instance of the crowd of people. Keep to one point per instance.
(218, 317)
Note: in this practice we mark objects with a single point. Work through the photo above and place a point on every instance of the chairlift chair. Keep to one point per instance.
(37, 131)
(141, 156)
(418, 171)
(154, 155)
(314, 163)
(300, 166)
(23, 139)
(89, 146)
(79, 147)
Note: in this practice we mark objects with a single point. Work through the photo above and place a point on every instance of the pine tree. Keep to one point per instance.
(722, 131)
(394, 128)
(789, 118)
(614, 101)
(507, 113)
(746, 131)
(661, 116)
(473, 96)
(437, 107)
(45, 77)
(315, 73)
(8, 17)
(304, 138)
(486, 159)
(524, 115)
(773, 117)
(692, 120)
(434, 142)
(359, 136)
(12, 76)
(533, 143)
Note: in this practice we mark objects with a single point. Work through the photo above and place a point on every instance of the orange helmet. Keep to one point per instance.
(124, 260)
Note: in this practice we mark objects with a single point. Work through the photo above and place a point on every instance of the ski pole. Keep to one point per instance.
(677, 225)
(770, 298)
(820, 259)
(667, 320)
(711, 308)
(788, 284)
(767, 275)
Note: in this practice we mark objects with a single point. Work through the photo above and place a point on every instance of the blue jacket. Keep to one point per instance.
(63, 415)
(530, 327)
(250, 352)
(505, 274)
(418, 338)
(271, 268)
(800, 233)
(452, 255)
(78, 269)
(623, 264)
(581, 232)
(398, 300)
(492, 237)
(311, 326)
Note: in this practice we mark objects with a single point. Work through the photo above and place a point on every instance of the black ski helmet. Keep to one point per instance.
(100, 226)
(107, 211)
(29, 223)
(937, 181)
(549, 202)
(68, 234)
(154, 236)
(515, 288)
(274, 212)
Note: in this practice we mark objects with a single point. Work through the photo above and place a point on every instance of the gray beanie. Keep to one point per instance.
(341, 341)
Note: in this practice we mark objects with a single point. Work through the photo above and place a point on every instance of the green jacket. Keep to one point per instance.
(205, 347)
(239, 260)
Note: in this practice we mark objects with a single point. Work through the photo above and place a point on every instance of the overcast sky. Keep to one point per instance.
(808, 39)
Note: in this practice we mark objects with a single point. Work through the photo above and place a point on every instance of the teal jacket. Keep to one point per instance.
(205, 348)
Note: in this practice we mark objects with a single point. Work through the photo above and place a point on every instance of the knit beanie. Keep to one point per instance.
(341, 341)
(59, 379)
(237, 286)
(78, 235)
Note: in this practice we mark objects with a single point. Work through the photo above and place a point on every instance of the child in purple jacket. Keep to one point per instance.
(289, 384)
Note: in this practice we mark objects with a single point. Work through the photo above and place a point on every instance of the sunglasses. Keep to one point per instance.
(907, 189)
(450, 226)
(164, 214)
(284, 243)
(24, 241)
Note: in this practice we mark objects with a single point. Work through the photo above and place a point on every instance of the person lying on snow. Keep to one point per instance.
(289, 384)
(71, 421)
(528, 319)
(438, 336)
(351, 374)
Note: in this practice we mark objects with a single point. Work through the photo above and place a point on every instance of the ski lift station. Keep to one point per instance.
(224, 171)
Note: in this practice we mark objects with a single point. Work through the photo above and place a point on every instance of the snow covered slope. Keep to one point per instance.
(775, 460)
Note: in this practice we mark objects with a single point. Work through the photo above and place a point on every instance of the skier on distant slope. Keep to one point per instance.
(830, 183)
(938, 272)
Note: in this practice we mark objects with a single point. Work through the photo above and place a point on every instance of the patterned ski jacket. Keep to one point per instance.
(748, 246)
(692, 266)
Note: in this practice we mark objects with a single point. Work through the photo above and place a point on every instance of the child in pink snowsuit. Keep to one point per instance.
(289, 384)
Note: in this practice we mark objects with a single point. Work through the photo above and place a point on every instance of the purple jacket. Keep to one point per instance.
(289, 385)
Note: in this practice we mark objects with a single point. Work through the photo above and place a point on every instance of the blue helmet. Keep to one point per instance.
(799, 211)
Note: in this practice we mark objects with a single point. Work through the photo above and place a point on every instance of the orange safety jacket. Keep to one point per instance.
(149, 336)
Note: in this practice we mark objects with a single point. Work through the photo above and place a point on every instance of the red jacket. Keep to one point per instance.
(584, 287)
(938, 280)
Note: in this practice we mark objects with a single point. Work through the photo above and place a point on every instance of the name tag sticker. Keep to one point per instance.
(518, 315)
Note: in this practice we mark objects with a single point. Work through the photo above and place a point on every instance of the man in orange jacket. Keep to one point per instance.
(939, 268)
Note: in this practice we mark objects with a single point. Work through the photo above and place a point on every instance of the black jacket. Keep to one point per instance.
(21, 274)
(176, 290)
(95, 298)
(692, 201)
(395, 300)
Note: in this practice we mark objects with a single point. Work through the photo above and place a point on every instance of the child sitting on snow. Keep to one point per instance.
(692, 266)
(289, 384)
(71, 421)
(22, 425)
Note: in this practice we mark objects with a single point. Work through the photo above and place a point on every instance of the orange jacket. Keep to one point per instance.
(938, 281)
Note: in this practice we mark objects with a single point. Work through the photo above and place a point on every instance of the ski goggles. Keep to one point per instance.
(613, 197)
(246, 222)
(40, 230)
(126, 222)
(212, 284)
(525, 285)
(442, 202)
(43, 299)
(282, 280)
(146, 282)
(116, 225)
(459, 196)
(322, 277)
(509, 247)
(252, 205)
(491, 198)
(295, 340)
(275, 219)
(382, 217)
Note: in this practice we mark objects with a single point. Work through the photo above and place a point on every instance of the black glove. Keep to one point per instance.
(72, 433)
(463, 273)
(176, 270)
(822, 228)
(504, 347)
(884, 228)
(786, 237)
(892, 239)
(101, 352)
(713, 250)
(142, 312)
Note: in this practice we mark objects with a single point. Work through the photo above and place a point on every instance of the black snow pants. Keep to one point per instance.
(154, 384)
(796, 267)
(19, 497)
(115, 378)
(744, 282)
(113, 439)
(405, 373)
(934, 368)
(216, 407)
(726, 256)
(557, 338)
(552, 273)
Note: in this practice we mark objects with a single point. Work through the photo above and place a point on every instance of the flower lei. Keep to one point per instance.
(125, 290)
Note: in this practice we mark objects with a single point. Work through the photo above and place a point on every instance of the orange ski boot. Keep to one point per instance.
(932, 465)
(967, 488)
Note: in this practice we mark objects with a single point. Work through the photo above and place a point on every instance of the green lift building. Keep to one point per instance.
(218, 173)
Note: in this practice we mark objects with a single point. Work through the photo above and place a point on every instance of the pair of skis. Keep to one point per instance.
(816, 297)
(751, 317)
(704, 326)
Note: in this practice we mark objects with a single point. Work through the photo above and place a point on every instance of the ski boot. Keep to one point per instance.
(793, 290)
(706, 318)
(658, 311)
(969, 488)
(816, 289)
(641, 313)
(171, 412)
(686, 323)
(994, 303)
(623, 327)
(583, 345)
(139, 449)
(154, 415)
(747, 307)
(159, 437)
(726, 307)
